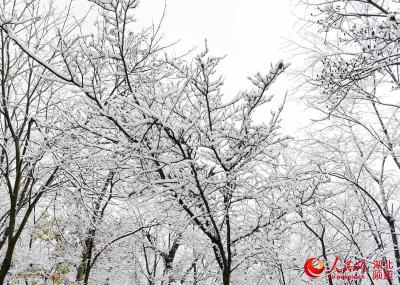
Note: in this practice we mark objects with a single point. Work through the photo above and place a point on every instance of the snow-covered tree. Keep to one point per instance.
(146, 172)
(354, 79)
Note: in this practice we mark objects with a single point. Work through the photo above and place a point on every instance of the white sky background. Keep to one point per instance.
(251, 33)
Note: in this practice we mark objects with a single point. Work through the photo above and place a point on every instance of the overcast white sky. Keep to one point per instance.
(252, 33)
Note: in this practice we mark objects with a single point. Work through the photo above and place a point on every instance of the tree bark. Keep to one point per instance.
(226, 277)
(83, 271)
(395, 246)
(6, 264)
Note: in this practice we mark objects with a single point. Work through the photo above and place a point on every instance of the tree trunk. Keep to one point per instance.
(11, 241)
(89, 262)
(6, 264)
(86, 263)
(395, 246)
(84, 267)
(226, 277)
(169, 259)
(321, 239)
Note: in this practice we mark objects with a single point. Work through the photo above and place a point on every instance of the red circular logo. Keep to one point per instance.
(314, 267)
